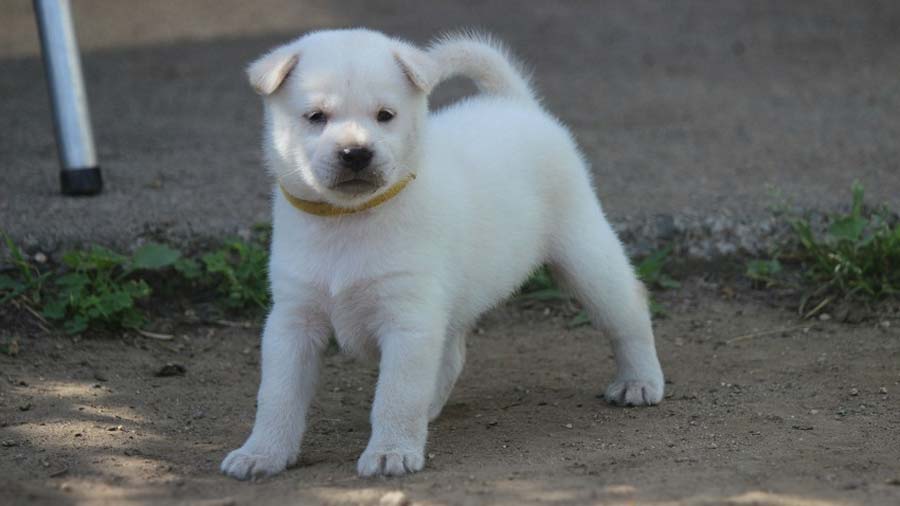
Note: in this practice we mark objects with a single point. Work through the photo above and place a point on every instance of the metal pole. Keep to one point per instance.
(80, 173)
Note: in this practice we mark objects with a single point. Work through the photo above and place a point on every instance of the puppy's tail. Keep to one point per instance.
(485, 61)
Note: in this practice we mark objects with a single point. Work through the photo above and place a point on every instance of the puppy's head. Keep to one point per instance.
(344, 112)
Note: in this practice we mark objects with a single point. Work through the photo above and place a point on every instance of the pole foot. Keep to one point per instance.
(81, 181)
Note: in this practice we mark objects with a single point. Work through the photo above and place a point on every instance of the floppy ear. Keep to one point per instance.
(418, 67)
(269, 71)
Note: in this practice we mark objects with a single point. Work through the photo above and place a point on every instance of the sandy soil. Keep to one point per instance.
(808, 415)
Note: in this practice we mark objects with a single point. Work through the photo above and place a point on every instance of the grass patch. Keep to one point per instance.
(855, 255)
(238, 270)
(97, 288)
(100, 288)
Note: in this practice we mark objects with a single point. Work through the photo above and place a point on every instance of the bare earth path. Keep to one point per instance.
(806, 416)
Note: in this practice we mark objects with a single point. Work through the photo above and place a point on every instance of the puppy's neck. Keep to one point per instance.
(327, 209)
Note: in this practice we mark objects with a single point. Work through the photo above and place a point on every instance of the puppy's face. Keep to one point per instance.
(344, 110)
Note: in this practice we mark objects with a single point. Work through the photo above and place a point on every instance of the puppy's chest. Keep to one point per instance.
(355, 314)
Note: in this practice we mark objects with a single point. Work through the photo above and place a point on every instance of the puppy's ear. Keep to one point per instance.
(418, 67)
(269, 71)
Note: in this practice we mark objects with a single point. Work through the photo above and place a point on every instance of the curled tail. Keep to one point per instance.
(485, 61)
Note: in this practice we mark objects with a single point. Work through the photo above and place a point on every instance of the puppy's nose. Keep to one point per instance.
(355, 159)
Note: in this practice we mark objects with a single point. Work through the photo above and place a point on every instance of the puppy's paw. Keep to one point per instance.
(389, 463)
(634, 392)
(246, 463)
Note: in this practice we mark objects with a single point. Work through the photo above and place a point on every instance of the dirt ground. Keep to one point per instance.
(807, 415)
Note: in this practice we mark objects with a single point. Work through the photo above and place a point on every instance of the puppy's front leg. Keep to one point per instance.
(291, 347)
(410, 359)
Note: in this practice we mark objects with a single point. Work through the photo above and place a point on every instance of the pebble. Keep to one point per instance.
(854, 392)
(882, 390)
(824, 317)
(40, 258)
(568, 426)
(395, 498)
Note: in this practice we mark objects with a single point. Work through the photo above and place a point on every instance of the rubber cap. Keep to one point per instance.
(81, 181)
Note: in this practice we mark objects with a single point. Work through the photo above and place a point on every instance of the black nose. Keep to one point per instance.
(356, 159)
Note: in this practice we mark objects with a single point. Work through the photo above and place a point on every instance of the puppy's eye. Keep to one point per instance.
(316, 117)
(385, 115)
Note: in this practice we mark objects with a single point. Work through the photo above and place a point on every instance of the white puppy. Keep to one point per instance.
(394, 229)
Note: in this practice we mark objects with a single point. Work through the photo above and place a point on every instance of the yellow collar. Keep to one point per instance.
(326, 209)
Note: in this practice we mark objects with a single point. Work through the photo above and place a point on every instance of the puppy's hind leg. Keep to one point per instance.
(591, 261)
(453, 359)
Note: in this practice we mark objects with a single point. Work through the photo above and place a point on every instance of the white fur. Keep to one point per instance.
(501, 189)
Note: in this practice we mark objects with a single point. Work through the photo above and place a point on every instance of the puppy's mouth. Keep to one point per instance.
(356, 186)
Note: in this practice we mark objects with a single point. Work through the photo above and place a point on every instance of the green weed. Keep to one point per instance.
(651, 270)
(857, 255)
(102, 288)
(26, 281)
(541, 286)
(98, 287)
(764, 272)
(238, 271)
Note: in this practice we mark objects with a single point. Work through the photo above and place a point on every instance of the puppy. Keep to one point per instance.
(394, 229)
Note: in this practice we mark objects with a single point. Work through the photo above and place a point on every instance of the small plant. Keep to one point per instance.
(240, 275)
(764, 272)
(651, 270)
(541, 286)
(99, 287)
(102, 288)
(857, 255)
(26, 281)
